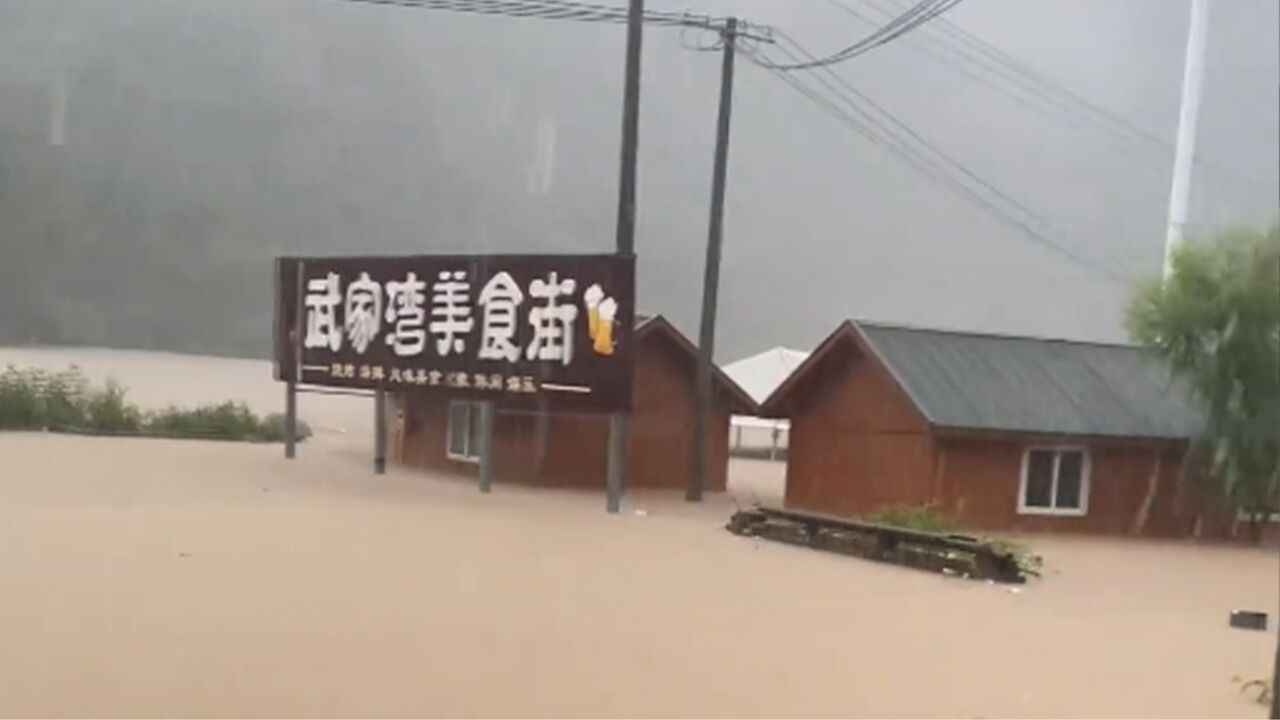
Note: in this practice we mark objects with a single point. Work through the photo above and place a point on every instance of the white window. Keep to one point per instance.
(1055, 481)
(464, 435)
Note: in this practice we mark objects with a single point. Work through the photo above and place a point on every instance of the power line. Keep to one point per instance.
(550, 10)
(861, 121)
(923, 18)
(912, 18)
(932, 162)
(918, 139)
(1000, 64)
(889, 130)
(570, 10)
(1031, 88)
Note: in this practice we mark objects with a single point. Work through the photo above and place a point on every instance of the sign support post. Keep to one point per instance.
(486, 447)
(290, 420)
(619, 431)
(291, 386)
(380, 431)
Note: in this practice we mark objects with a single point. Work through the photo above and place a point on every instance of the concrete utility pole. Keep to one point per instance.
(619, 427)
(1275, 667)
(711, 277)
(1185, 153)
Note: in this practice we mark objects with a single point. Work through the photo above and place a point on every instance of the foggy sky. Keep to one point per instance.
(308, 126)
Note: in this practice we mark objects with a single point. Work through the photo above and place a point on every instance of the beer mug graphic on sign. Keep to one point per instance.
(602, 312)
(602, 343)
(592, 297)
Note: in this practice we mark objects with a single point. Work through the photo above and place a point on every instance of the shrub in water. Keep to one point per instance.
(20, 399)
(64, 399)
(922, 517)
(226, 420)
(107, 410)
(273, 429)
(33, 399)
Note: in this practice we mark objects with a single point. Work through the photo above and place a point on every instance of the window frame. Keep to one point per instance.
(469, 454)
(1086, 466)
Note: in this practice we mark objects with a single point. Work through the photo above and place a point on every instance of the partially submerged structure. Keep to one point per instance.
(571, 449)
(1004, 433)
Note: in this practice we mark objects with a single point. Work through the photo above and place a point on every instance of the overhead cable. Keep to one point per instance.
(985, 63)
(912, 18)
(930, 163)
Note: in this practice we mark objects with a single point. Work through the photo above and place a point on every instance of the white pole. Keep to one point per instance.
(1184, 155)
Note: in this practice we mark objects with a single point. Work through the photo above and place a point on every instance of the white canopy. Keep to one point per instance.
(761, 374)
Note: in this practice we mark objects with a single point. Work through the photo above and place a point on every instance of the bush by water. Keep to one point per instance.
(64, 401)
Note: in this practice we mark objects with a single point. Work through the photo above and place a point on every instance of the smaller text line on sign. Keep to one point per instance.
(519, 330)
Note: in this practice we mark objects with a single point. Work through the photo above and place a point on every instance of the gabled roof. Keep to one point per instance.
(976, 381)
(739, 401)
(762, 373)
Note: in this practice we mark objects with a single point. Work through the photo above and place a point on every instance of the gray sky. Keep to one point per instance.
(324, 126)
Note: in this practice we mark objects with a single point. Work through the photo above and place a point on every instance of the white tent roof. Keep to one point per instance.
(760, 374)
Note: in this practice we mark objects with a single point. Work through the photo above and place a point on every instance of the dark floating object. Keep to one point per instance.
(1248, 620)
(952, 554)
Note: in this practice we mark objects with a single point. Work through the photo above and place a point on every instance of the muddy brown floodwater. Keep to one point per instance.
(160, 578)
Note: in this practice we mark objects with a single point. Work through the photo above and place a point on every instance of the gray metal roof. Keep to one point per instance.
(1021, 384)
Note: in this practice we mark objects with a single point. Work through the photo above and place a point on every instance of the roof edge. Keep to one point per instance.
(914, 398)
(659, 323)
(770, 406)
(1032, 435)
(889, 325)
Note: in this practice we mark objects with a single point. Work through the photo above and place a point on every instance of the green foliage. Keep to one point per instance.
(226, 420)
(1216, 323)
(63, 396)
(922, 517)
(273, 428)
(33, 399)
(19, 399)
(107, 410)
(1028, 562)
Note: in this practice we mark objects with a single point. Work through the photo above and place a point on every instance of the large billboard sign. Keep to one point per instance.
(551, 331)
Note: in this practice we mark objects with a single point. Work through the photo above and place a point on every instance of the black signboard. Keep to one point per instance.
(522, 330)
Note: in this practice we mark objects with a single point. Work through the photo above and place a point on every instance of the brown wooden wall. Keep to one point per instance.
(858, 444)
(577, 445)
(981, 479)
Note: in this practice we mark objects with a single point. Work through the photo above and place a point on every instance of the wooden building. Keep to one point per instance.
(1004, 433)
(570, 450)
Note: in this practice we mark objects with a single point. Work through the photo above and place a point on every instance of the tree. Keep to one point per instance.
(1216, 323)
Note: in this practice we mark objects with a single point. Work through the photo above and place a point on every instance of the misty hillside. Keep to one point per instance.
(155, 155)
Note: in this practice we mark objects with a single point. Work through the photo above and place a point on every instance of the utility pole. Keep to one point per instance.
(1188, 116)
(711, 276)
(619, 427)
(1275, 668)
